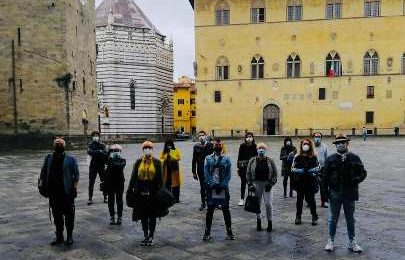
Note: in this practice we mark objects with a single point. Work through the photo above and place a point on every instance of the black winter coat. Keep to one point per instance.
(98, 153)
(199, 154)
(114, 175)
(305, 181)
(246, 152)
(343, 174)
(286, 165)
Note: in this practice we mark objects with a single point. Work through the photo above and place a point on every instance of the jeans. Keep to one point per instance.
(335, 204)
(260, 192)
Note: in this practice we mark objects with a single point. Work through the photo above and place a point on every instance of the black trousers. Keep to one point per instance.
(203, 193)
(210, 215)
(285, 184)
(324, 193)
(243, 182)
(309, 198)
(63, 211)
(148, 226)
(115, 197)
(93, 171)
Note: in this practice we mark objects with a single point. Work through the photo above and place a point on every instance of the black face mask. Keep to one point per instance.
(217, 150)
(59, 148)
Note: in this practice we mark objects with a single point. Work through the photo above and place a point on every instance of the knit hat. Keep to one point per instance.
(147, 144)
(341, 138)
(261, 145)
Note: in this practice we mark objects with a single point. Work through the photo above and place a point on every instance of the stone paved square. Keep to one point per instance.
(25, 229)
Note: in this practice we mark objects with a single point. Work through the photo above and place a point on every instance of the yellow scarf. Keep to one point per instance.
(146, 171)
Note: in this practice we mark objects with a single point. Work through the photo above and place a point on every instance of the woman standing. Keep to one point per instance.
(170, 157)
(146, 181)
(247, 150)
(114, 182)
(261, 177)
(305, 169)
(286, 150)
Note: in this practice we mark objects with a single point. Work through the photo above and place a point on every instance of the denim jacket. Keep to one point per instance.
(224, 165)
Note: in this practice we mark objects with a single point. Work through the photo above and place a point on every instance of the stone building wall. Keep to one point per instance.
(50, 55)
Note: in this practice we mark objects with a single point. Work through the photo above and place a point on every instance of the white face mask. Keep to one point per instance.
(249, 139)
(305, 148)
(96, 138)
(288, 143)
(147, 151)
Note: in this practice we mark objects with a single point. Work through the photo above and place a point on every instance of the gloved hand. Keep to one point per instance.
(195, 177)
(267, 188)
(251, 188)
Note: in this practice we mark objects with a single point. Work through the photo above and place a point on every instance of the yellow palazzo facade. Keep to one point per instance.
(274, 66)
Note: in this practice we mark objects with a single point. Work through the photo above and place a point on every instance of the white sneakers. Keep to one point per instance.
(353, 246)
(330, 246)
(241, 203)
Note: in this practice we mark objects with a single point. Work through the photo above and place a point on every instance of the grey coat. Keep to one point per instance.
(251, 171)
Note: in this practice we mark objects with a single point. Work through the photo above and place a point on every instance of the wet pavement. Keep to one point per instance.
(25, 228)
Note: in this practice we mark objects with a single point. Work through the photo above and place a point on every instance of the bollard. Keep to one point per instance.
(213, 133)
(375, 131)
(311, 131)
(332, 132)
(296, 132)
(353, 131)
(232, 133)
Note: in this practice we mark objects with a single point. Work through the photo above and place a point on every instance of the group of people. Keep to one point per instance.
(153, 180)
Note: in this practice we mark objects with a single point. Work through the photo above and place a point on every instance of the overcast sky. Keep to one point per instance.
(175, 19)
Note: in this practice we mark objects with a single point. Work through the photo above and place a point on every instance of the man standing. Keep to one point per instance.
(217, 171)
(200, 151)
(341, 175)
(98, 152)
(59, 179)
(322, 153)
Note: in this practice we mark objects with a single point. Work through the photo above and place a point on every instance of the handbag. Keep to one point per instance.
(164, 199)
(131, 198)
(252, 203)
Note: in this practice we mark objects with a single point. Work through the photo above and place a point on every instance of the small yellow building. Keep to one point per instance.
(274, 66)
(184, 106)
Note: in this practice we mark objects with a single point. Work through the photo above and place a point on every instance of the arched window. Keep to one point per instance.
(222, 13)
(132, 93)
(372, 8)
(333, 9)
(293, 66)
(371, 63)
(222, 68)
(257, 67)
(258, 11)
(403, 63)
(294, 10)
(333, 65)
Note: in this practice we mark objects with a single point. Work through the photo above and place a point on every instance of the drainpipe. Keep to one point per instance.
(14, 87)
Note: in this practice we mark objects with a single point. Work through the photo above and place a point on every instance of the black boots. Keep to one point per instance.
(112, 220)
(269, 226)
(229, 234)
(119, 221)
(69, 238)
(203, 206)
(259, 225)
(298, 220)
(59, 239)
(207, 237)
(314, 220)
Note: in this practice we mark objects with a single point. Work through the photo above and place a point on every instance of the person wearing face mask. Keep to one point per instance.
(341, 176)
(58, 181)
(200, 152)
(261, 177)
(146, 181)
(114, 182)
(98, 153)
(217, 171)
(170, 157)
(247, 150)
(285, 153)
(322, 153)
(305, 170)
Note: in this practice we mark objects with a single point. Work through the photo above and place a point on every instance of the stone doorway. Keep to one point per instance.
(271, 120)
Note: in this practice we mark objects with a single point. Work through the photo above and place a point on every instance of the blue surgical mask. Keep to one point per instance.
(317, 140)
(261, 152)
(115, 154)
